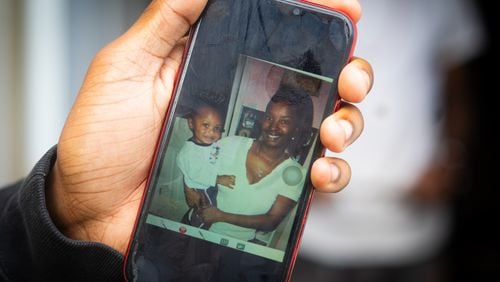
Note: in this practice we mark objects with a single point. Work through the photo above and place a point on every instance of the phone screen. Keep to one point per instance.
(230, 184)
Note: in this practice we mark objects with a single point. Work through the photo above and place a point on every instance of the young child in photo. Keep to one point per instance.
(197, 160)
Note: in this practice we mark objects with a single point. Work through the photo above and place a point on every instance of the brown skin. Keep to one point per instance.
(265, 222)
(193, 198)
(226, 180)
(278, 127)
(108, 142)
(206, 125)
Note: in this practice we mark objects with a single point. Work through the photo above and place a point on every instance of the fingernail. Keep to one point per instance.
(334, 173)
(348, 129)
(368, 80)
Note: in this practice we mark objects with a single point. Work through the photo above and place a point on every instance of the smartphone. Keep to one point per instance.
(229, 188)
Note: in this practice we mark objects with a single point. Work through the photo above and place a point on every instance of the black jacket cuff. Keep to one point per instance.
(31, 246)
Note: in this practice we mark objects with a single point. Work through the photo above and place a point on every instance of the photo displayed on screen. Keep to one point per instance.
(235, 164)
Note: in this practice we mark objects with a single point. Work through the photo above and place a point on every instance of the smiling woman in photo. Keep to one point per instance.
(268, 179)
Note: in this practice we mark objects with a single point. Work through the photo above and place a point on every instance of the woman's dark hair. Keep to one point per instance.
(301, 103)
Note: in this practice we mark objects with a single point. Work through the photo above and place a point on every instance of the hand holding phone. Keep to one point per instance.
(107, 145)
(257, 80)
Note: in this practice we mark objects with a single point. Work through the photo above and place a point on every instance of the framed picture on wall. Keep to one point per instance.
(249, 122)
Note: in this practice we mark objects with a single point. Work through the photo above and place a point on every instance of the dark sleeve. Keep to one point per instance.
(33, 249)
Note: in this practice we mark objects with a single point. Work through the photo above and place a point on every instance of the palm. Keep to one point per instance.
(108, 142)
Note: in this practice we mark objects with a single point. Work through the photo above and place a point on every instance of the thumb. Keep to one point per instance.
(162, 24)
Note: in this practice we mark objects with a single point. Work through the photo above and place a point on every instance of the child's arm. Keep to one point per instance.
(226, 180)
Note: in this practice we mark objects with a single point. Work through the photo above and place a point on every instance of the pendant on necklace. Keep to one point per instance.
(260, 172)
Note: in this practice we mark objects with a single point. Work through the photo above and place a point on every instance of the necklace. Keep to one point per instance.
(261, 164)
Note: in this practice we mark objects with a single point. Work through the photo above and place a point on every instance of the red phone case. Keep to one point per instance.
(180, 83)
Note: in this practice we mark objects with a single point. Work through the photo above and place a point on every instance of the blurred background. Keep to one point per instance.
(46, 46)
